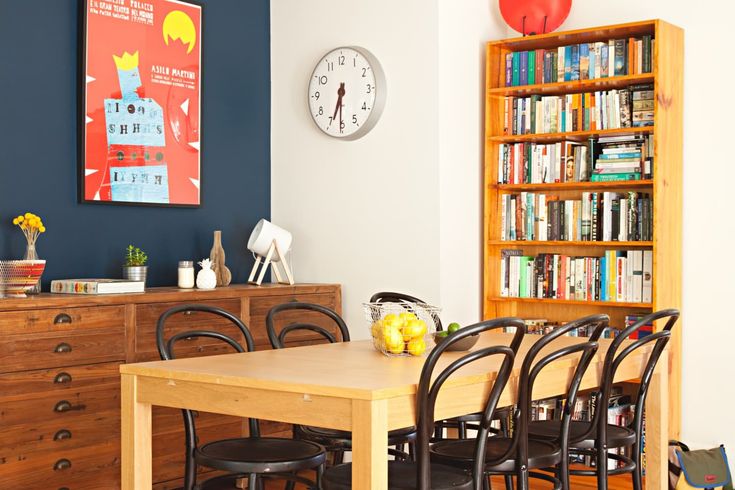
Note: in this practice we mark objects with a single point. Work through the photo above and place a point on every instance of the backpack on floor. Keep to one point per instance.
(705, 468)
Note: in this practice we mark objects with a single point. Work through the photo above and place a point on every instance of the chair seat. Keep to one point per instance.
(460, 452)
(343, 439)
(401, 476)
(260, 455)
(549, 430)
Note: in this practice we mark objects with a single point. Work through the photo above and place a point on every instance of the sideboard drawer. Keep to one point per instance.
(30, 322)
(59, 380)
(147, 318)
(20, 442)
(90, 468)
(19, 353)
(59, 408)
(259, 308)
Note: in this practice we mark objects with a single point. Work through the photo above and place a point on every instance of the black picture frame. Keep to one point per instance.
(82, 113)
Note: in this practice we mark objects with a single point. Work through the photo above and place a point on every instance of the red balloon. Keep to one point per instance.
(554, 11)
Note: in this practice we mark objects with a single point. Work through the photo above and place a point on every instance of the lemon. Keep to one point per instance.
(376, 329)
(414, 328)
(397, 348)
(417, 346)
(393, 321)
(393, 339)
(405, 316)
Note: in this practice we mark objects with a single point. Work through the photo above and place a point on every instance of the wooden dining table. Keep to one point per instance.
(350, 386)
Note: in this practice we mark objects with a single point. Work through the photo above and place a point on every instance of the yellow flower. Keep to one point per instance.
(20, 219)
(28, 216)
(42, 229)
(15, 221)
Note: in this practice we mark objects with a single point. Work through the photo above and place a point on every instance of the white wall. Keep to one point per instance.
(463, 33)
(363, 213)
(331, 194)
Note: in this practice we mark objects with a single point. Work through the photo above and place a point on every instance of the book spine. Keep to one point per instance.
(531, 67)
(575, 62)
(567, 63)
(509, 69)
(620, 55)
(516, 69)
(524, 68)
(615, 177)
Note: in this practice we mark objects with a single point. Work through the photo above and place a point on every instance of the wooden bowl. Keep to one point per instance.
(464, 344)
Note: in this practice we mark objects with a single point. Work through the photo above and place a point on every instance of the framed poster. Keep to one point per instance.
(140, 104)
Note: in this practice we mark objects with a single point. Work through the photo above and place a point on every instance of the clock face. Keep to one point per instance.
(347, 92)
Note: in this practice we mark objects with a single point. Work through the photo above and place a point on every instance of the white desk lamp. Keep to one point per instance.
(270, 243)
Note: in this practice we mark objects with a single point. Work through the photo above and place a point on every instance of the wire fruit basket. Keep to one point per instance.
(402, 329)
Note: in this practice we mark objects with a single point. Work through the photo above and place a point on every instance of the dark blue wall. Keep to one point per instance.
(38, 146)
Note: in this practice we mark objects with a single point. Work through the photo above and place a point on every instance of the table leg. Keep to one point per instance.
(370, 445)
(136, 437)
(657, 428)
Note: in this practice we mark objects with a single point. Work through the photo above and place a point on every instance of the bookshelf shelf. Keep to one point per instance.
(570, 243)
(572, 87)
(605, 304)
(664, 189)
(571, 186)
(568, 136)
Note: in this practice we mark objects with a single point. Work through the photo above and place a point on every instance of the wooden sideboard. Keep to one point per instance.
(60, 385)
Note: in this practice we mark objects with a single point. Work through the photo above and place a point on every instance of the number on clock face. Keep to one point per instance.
(344, 93)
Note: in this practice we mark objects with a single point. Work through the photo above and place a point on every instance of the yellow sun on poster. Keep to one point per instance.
(178, 25)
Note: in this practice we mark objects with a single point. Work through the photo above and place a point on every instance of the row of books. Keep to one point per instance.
(597, 216)
(585, 61)
(590, 111)
(542, 326)
(623, 157)
(617, 276)
(602, 159)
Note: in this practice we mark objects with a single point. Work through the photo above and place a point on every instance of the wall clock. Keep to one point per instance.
(347, 92)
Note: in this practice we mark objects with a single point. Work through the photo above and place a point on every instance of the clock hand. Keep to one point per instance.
(340, 93)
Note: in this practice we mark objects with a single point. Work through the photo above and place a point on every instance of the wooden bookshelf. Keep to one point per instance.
(665, 186)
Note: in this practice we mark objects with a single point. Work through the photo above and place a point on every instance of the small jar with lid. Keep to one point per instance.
(186, 274)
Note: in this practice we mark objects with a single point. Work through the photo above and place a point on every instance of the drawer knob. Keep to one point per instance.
(188, 312)
(62, 318)
(62, 378)
(62, 464)
(62, 348)
(62, 435)
(62, 406)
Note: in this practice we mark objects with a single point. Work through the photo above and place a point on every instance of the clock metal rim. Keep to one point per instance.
(380, 96)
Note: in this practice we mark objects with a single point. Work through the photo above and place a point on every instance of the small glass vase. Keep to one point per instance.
(31, 254)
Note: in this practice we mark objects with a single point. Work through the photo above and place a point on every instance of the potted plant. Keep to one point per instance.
(135, 268)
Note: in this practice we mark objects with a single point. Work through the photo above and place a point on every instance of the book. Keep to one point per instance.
(524, 68)
(509, 69)
(96, 286)
(516, 79)
(615, 177)
(620, 57)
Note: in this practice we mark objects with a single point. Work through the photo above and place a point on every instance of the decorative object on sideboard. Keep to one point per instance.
(140, 103)
(32, 226)
(530, 17)
(347, 92)
(206, 279)
(270, 243)
(217, 256)
(17, 277)
(135, 268)
(186, 274)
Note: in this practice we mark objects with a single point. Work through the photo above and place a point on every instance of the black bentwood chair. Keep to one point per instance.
(336, 441)
(425, 474)
(517, 455)
(595, 438)
(253, 457)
